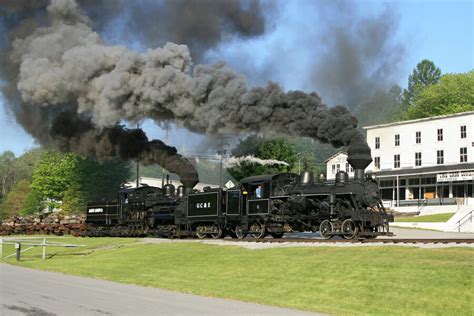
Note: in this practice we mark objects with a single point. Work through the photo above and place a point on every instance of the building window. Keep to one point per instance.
(396, 161)
(463, 131)
(440, 134)
(338, 167)
(349, 168)
(418, 137)
(417, 159)
(377, 162)
(463, 154)
(397, 140)
(377, 142)
(333, 169)
(440, 157)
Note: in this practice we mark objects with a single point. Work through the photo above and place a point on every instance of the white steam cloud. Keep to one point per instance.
(237, 161)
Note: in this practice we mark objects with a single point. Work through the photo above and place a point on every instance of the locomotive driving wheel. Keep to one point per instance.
(325, 228)
(201, 232)
(349, 229)
(257, 231)
(172, 232)
(216, 231)
(239, 232)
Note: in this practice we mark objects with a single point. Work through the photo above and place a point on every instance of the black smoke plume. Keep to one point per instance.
(199, 24)
(358, 55)
(72, 89)
(72, 133)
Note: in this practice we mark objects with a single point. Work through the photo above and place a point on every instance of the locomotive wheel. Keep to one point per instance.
(239, 232)
(216, 231)
(325, 228)
(172, 233)
(201, 232)
(349, 229)
(231, 232)
(257, 231)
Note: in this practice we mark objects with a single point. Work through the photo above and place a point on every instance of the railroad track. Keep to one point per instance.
(361, 241)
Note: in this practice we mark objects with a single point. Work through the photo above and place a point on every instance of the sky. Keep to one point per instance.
(442, 31)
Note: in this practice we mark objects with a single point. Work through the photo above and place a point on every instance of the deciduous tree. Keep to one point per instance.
(279, 149)
(66, 180)
(14, 201)
(7, 172)
(453, 94)
(54, 174)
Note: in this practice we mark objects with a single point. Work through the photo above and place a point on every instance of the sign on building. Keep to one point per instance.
(455, 176)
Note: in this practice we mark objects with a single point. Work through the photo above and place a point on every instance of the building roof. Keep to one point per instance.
(433, 118)
(425, 170)
(335, 155)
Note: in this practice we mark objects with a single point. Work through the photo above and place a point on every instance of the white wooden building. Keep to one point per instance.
(338, 162)
(428, 161)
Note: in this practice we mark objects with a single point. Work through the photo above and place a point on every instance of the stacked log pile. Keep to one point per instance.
(51, 224)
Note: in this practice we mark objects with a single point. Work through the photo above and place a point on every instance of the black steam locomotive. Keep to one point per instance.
(258, 206)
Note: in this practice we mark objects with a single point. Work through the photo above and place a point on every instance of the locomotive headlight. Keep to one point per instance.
(245, 193)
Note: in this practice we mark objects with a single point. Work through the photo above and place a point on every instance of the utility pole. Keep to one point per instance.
(299, 162)
(138, 172)
(138, 164)
(221, 152)
(163, 169)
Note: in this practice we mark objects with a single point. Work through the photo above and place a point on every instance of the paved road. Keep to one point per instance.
(33, 292)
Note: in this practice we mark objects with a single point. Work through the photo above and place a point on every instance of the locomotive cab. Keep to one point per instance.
(261, 189)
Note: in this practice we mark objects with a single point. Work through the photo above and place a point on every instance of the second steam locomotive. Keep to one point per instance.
(258, 206)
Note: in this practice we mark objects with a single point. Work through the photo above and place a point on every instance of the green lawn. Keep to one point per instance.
(341, 281)
(426, 218)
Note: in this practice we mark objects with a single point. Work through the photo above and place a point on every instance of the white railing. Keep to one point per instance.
(32, 243)
(464, 219)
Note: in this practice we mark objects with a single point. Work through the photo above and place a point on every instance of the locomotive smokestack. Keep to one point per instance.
(359, 156)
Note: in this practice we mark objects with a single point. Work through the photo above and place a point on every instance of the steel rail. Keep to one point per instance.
(359, 241)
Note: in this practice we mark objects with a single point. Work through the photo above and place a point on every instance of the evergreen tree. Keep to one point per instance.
(425, 74)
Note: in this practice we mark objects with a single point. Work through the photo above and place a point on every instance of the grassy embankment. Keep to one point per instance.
(441, 218)
(341, 281)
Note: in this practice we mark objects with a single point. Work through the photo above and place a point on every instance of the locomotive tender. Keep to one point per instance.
(258, 206)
